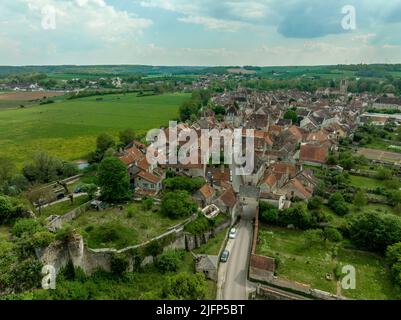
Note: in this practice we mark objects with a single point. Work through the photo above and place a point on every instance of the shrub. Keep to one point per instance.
(178, 204)
(169, 261)
(184, 286)
(184, 183)
(154, 248)
(119, 264)
(147, 203)
(315, 203)
(28, 226)
(332, 235)
(42, 239)
(268, 213)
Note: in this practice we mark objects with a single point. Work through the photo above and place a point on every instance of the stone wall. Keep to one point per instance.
(195, 241)
(56, 222)
(59, 254)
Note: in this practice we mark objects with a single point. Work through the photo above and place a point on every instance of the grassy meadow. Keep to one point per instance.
(308, 264)
(68, 129)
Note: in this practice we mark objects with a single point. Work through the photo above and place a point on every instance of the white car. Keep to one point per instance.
(233, 233)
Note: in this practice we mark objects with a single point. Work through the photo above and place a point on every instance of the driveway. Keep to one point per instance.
(232, 284)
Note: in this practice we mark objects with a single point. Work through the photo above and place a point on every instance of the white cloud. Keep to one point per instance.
(214, 24)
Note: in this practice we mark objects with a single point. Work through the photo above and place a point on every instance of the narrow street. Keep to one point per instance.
(233, 274)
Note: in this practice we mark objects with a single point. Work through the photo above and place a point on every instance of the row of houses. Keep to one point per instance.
(283, 151)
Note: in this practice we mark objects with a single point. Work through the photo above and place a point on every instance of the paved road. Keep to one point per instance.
(233, 274)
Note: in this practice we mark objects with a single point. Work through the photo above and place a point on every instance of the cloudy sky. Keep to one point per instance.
(199, 32)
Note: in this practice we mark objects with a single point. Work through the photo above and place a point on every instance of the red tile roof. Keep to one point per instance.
(131, 155)
(228, 197)
(295, 132)
(314, 153)
(207, 191)
(282, 167)
(149, 177)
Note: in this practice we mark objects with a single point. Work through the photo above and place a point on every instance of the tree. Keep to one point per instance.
(183, 183)
(393, 255)
(127, 136)
(113, 180)
(268, 213)
(384, 174)
(178, 204)
(298, 216)
(375, 231)
(315, 203)
(360, 200)
(90, 189)
(169, 261)
(291, 115)
(43, 168)
(332, 235)
(39, 196)
(69, 169)
(185, 286)
(338, 205)
(103, 142)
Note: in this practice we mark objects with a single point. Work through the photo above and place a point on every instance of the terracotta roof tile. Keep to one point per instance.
(314, 153)
(207, 191)
(149, 177)
(228, 197)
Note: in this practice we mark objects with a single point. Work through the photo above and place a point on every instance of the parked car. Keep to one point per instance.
(224, 256)
(233, 233)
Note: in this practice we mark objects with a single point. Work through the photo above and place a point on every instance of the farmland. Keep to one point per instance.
(68, 129)
(26, 99)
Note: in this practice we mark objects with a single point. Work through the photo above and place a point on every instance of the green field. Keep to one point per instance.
(69, 129)
(308, 264)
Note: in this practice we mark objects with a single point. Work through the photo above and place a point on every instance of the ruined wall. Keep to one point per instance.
(195, 241)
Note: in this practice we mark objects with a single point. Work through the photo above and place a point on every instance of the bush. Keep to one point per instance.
(315, 203)
(332, 235)
(393, 255)
(198, 226)
(169, 261)
(178, 204)
(119, 264)
(338, 204)
(154, 249)
(6, 209)
(28, 226)
(65, 233)
(184, 286)
(42, 239)
(147, 203)
(297, 215)
(268, 213)
(184, 183)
